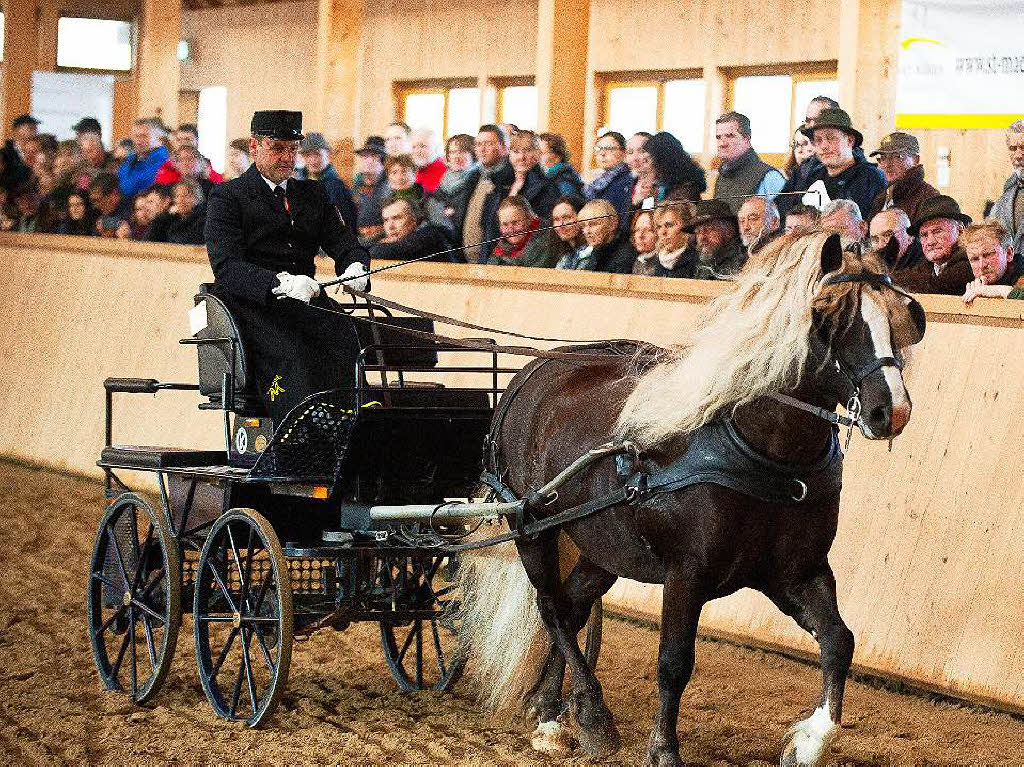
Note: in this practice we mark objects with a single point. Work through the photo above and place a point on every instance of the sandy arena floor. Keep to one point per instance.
(342, 705)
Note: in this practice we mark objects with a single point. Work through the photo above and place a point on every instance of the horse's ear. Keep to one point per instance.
(831, 254)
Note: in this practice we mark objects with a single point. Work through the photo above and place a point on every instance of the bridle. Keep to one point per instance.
(855, 374)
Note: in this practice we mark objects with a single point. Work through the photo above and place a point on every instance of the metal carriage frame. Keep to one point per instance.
(261, 556)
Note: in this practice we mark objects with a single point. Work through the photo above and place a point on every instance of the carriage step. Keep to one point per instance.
(145, 457)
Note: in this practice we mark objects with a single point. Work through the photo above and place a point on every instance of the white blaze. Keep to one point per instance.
(881, 339)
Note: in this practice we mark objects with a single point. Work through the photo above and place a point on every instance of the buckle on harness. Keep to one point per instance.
(803, 491)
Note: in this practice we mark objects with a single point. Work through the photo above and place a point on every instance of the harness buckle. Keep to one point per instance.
(803, 490)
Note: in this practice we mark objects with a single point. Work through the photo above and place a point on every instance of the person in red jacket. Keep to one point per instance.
(186, 162)
(426, 153)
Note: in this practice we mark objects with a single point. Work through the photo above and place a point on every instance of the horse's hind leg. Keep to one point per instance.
(585, 584)
(812, 604)
(598, 735)
(682, 601)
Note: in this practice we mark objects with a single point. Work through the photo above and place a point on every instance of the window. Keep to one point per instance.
(805, 90)
(94, 44)
(1, 36)
(518, 105)
(212, 123)
(445, 110)
(673, 105)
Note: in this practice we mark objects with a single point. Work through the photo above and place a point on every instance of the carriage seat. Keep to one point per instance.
(215, 360)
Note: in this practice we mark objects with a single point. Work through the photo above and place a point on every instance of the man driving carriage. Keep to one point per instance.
(263, 230)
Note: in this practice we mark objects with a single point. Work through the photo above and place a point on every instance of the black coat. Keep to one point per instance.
(616, 256)
(422, 241)
(540, 191)
(250, 237)
(188, 230)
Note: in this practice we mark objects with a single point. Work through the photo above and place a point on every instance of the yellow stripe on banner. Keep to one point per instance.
(905, 120)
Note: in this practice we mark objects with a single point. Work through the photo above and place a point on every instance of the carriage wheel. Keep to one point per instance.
(134, 598)
(594, 627)
(243, 617)
(424, 653)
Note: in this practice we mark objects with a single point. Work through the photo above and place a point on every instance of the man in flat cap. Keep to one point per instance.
(899, 157)
(263, 230)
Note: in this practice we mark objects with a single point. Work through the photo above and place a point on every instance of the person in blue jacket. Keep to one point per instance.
(615, 184)
(139, 168)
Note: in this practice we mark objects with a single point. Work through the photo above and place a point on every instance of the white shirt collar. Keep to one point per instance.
(273, 186)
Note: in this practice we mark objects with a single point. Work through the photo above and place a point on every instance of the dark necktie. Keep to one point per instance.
(282, 198)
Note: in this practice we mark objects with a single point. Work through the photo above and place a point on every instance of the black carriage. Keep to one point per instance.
(272, 536)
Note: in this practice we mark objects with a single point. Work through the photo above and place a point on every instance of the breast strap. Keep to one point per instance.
(718, 454)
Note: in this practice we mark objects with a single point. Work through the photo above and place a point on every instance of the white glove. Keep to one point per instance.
(358, 271)
(297, 286)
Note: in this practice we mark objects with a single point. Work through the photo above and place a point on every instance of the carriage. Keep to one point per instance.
(271, 538)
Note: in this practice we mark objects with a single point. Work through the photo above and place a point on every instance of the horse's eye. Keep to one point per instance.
(876, 288)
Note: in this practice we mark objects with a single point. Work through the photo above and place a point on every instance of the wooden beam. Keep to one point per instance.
(159, 72)
(339, 27)
(867, 67)
(562, 54)
(19, 59)
(46, 53)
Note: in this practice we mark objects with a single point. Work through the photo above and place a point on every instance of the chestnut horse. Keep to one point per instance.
(807, 327)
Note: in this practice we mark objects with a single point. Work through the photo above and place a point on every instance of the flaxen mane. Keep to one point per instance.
(750, 342)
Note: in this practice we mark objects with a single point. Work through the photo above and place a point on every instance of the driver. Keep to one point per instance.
(262, 231)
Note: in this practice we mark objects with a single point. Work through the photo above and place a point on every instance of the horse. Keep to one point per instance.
(807, 326)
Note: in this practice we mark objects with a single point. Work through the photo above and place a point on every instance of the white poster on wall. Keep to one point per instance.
(961, 64)
(60, 99)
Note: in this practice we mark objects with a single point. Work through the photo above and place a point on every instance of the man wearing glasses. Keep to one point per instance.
(615, 183)
(263, 230)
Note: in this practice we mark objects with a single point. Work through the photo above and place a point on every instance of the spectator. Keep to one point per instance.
(520, 244)
(530, 180)
(1009, 208)
(140, 167)
(23, 129)
(758, 219)
(370, 182)
(370, 224)
(800, 179)
(802, 218)
(80, 219)
(843, 175)
(945, 269)
(997, 274)
(238, 157)
(160, 201)
(899, 157)
(676, 255)
(186, 135)
(122, 149)
(96, 159)
(568, 232)
(13, 172)
(800, 149)
(87, 126)
(644, 238)
(407, 235)
(112, 208)
(401, 170)
(396, 139)
(615, 183)
(493, 171)
(843, 217)
(606, 249)
(639, 162)
(742, 172)
(719, 252)
(314, 152)
(460, 159)
(554, 160)
(187, 163)
(189, 218)
(676, 174)
(27, 218)
(142, 219)
(426, 153)
(890, 238)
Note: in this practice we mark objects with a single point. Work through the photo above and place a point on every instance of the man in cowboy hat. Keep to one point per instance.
(843, 175)
(899, 157)
(945, 269)
(720, 253)
(263, 230)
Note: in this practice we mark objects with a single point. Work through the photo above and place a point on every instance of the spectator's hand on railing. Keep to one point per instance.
(124, 232)
(979, 289)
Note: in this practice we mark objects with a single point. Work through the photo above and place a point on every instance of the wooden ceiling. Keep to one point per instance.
(194, 5)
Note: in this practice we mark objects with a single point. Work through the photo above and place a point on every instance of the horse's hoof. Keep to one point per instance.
(808, 742)
(601, 739)
(552, 738)
(663, 757)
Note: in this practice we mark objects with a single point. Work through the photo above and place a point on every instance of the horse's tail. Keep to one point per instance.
(501, 626)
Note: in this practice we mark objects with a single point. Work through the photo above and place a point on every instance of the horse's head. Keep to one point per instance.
(862, 323)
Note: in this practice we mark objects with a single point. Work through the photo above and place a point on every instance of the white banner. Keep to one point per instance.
(961, 64)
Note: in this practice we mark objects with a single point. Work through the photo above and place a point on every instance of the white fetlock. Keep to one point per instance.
(551, 738)
(807, 742)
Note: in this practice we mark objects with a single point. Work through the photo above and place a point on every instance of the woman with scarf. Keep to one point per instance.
(461, 160)
(615, 184)
(520, 244)
(676, 255)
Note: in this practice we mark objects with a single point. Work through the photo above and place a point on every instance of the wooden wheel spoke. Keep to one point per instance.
(120, 656)
(101, 577)
(220, 583)
(238, 564)
(407, 643)
(150, 646)
(437, 649)
(264, 587)
(134, 513)
(244, 598)
(215, 669)
(419, 655)
(148, 611)
(237, 693)
(249, 683)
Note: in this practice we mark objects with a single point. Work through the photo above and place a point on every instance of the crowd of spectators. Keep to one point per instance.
(514, 198)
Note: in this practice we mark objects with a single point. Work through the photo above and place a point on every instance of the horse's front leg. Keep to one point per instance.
(682, 600)
(812, 604)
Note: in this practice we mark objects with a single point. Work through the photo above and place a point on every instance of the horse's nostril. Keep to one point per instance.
(880, 415)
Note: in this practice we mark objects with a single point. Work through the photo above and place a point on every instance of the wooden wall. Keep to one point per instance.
(264, 54)
(928, 555)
